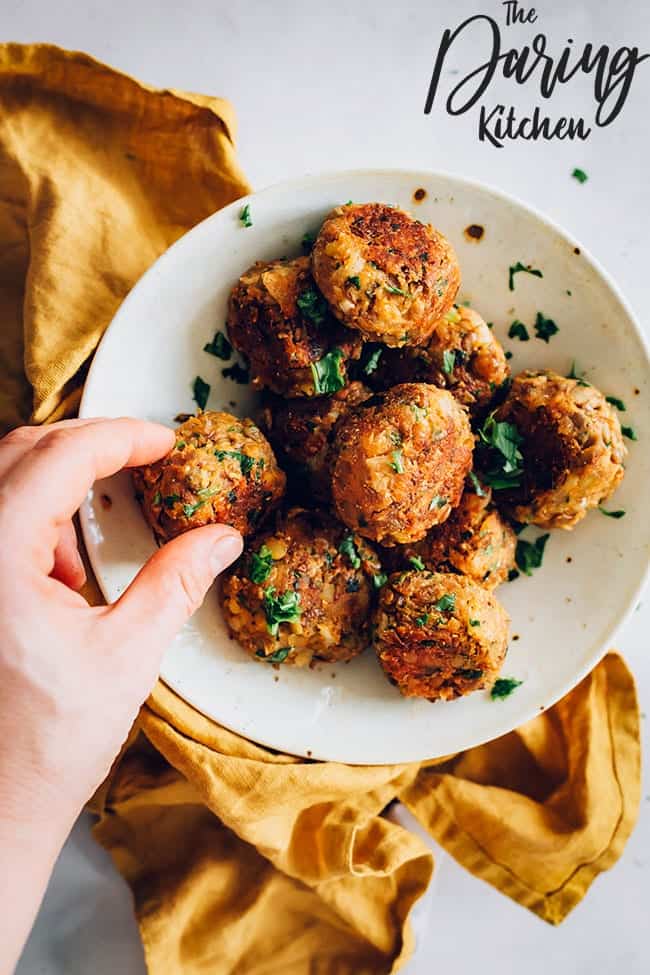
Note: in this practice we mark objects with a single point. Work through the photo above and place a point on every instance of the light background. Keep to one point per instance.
(336, 85)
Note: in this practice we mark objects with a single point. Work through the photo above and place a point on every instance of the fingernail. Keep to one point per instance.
(225, 550)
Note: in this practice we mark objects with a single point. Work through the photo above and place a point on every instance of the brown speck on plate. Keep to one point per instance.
(309, 753)
(576, 250)
(515, 636)
(636, 391)
(276, 678)
(474, 232)
(106, 502)
(569, 558)
(182, 417)
(419, 195)
(232, 403)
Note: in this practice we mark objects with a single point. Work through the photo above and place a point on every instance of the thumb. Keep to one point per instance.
(172, 584)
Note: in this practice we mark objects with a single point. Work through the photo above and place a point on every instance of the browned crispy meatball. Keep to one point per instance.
(462, 356)
(384, 273)
(221, 469)
(302, 431)
(572, 449)
(302, 590)
(399, 462)
(439, 636)
(474, 541)
(281, 323)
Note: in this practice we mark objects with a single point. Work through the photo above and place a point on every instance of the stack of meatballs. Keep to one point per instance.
(372, 509)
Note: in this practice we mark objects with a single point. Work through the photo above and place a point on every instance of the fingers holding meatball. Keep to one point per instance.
(475, 541)
(462, 355)
(281, 323)
(221, 470)
(571, 448)
(439, 636)
(302, 591)
(384, 273)
(399, 463)
(302, 432)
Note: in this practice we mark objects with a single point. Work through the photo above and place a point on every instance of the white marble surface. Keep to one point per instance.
(319, 86)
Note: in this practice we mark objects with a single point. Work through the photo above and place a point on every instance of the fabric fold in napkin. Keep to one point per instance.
(242, 860)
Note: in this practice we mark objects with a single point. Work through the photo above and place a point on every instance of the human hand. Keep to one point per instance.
(72, 677)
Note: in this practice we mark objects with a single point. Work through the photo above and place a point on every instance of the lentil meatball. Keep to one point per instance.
(301, 591)
(439, 636)
(462, 356)
(475, 541)
(384, 273)
(280, 322)
(572, 449)
(221, 469)
(302, 431)
(399, 462)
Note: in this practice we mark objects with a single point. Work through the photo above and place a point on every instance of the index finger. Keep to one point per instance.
(49, 483)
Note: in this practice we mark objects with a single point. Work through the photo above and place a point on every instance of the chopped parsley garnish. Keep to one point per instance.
(397, 463)
(618, 403)
(422, 620)
(246, 463)
(190, 509)
(438, 502)
(379, 580)
(327, 373)
(506, 460)
(446, 603)
(201, 391)
(395, 291)
(574, 374)
(468, 674)
(518, 331)
(238, 373)
(474, 622)
(245, 215)
(529, 555)
(312, 305)
(629, 432)
(170, 500)
(580, 175)
(157, 498)
(349, 549)
(308, 241)
(508, 354)
(373, 361)
(478, 487)
(277, 657)
(516, 268)
(503, 687)
(260, 565)
(613, 514)
(354, 281)
(419, 412)
(284, 608)
(219, 346)
(416, 562)
(179, 445)
(448, 361)
(545, 327)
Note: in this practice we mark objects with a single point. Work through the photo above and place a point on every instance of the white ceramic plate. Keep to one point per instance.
(563, 618)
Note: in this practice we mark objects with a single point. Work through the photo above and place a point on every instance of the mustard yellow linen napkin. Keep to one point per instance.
(242, 860)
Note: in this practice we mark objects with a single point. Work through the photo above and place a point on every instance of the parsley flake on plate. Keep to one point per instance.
(308, 241)
(238, 373)
(574, 374)
(219, 346)
(284, 608)
(327, 373)
(530, 555)
(618, 403)
(373, 361)
(416, 562)
(277, 657)
(612, 514)
(517, 268)
(379, 580)
(629, 432)
(518, 331)
(245, 216)
(201, 391)
(580, 175)
(503, 687)
(397, 463)
(545, 327)
(446, 603)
